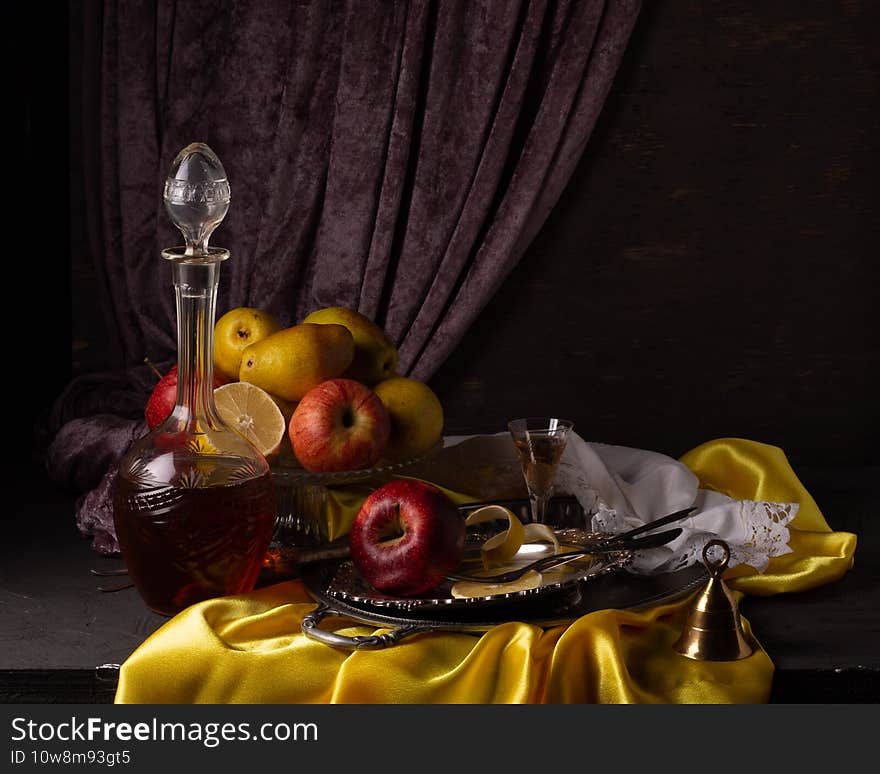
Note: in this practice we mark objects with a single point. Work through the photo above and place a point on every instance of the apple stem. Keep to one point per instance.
(152, 365)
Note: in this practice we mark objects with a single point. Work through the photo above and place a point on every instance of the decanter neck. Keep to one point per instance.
(195, 287)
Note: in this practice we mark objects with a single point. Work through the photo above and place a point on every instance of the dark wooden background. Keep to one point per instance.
(711, 269)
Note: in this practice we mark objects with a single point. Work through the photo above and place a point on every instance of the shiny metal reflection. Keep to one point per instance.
(713, 629)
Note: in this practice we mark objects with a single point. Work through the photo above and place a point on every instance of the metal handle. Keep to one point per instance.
(716, 566)
(311, 629)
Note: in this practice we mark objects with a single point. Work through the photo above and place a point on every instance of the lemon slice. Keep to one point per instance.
(467, 589)
(254, 413)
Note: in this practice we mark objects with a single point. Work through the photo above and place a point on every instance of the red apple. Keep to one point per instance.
(339, 425)
(164, 397)
(406, 537)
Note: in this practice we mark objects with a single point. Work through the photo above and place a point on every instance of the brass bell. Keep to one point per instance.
(713, 630)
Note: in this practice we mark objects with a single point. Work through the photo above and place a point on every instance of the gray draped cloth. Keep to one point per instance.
(396, 158)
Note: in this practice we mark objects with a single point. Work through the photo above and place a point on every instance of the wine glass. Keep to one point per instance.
(539, 442)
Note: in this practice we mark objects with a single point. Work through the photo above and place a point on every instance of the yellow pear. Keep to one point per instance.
(235, 330)
(291, 361)
(416, 416)
(375, 356)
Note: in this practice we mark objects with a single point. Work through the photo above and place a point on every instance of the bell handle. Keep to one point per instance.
(716, 567)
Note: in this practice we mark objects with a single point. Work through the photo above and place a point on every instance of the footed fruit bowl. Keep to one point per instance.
(301, 496)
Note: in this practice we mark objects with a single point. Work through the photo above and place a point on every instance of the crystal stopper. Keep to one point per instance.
(197, 195)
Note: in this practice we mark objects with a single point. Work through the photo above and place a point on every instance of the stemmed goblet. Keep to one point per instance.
(539, 442)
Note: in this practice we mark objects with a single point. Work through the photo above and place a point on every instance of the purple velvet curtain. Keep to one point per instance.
(395, 157)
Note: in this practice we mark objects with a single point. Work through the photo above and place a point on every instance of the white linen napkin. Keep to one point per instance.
(620, 488)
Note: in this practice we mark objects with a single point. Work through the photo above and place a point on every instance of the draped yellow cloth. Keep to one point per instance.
(249, 649)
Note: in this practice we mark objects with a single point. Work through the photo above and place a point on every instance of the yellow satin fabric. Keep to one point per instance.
(249, 649)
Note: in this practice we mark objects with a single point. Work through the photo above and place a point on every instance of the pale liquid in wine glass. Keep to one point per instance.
(539, 454)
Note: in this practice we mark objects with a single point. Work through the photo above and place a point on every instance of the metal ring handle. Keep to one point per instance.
(715, 568)
(311, 629)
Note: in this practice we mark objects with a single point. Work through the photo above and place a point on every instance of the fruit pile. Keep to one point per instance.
(324, 392)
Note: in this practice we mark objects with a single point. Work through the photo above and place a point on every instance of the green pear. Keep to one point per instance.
(375, 356)
(289, 363)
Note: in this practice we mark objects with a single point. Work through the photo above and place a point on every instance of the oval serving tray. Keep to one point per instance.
(618, 590)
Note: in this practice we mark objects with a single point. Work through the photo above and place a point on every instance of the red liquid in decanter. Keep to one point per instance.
(185, 544)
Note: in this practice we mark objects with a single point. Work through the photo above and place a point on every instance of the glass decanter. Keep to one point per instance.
(193, 504)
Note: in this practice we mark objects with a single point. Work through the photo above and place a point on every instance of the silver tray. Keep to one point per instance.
(620, 589)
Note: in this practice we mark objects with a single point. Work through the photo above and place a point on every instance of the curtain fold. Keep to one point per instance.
(554, 145)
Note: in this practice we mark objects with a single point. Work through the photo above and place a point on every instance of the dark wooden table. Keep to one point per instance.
(57, 629)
